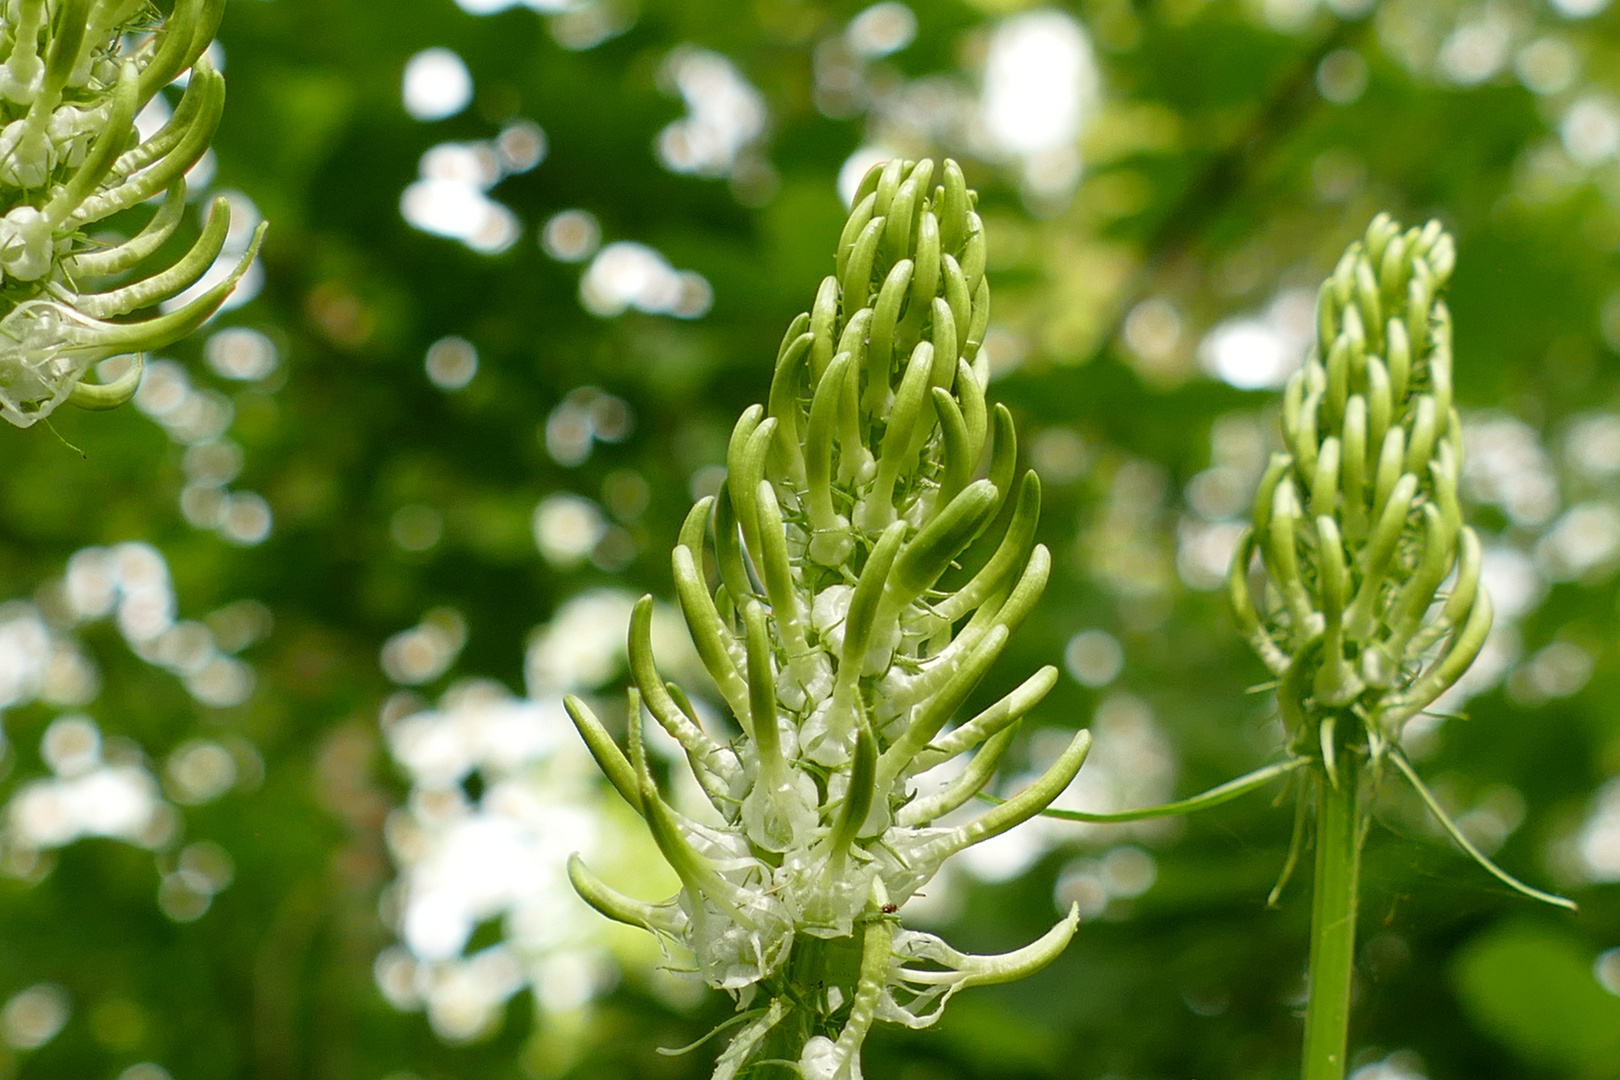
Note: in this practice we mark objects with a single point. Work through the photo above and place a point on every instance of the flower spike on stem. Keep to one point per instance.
(845, 639)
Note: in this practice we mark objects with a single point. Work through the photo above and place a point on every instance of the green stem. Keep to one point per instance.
(1333, 921)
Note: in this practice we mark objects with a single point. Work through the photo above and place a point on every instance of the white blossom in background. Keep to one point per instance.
(574, 24)
(450, 195)
(199, 418)
(35, 1016)
(105, 785)
(1041, 85)
(1598, 841)
(1261, 352)
(436, 85)
(725, 114)
(626, 275)
(501, 855)
(1026, 109)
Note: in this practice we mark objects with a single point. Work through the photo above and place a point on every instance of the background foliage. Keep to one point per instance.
(337, 470)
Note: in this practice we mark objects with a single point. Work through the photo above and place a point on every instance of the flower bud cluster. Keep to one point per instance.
(866, 583)
(1358, 524)
(73, 76)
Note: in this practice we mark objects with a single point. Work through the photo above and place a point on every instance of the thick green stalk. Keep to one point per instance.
(1333, 921)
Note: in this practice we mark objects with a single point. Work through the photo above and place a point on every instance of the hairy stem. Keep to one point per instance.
(1333, 921)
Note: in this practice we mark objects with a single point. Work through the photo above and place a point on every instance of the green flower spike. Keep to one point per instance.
(73, 76)
(1358, 526)
(866, 584)
(1358, 529)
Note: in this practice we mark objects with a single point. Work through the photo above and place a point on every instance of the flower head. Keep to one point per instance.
(866, 583)
(73, 77)
(1358, 524)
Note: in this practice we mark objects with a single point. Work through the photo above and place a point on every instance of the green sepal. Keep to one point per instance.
(708, 759)
(1327, 315)
(1007, 711)
(970, 782)
(958, 296)
(853, 454)
(1014, 549)
(1380, 231)
(977, 325)
(1406, 614)
(779, 584)
(109, 141)
(936, 710)
(953, 215)
(1325, 481)
(762, 691)
(1277, 547)
(973, 253)
(1398, 354)
(1368, 302)
(67, 40)
(823, 328)
(858, 797)
(1461, 650)
(925, 279)
(105, 262)
(818, 454)
(947, 347)
(1033, 799)
(854, 227)
(1266, 493)
(1361, 620)
(959, 460)
(931, 552)
(880, 345)
(975, 414)
(711, 639)
(699, 878)
(663, 918)
(160, 286)
(863, 603)
(109, 395)
(784, 404)
(1425, 430)
(178, 43)
(1353, 467)
(745, 467)
(889, 180)
(869, 182)
(154, 333)
(1391, 464)
(1380, 405)
(1241, 604)
(728, 552)
(210, 85)
(856, 281)
(609, 758)
(902, 210)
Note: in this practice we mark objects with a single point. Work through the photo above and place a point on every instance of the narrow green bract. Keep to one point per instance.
(866, 584)
(73, 76)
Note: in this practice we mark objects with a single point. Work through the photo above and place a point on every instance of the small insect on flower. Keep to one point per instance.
(868, 578)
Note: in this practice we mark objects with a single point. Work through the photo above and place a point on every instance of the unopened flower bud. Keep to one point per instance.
(1374, 443)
